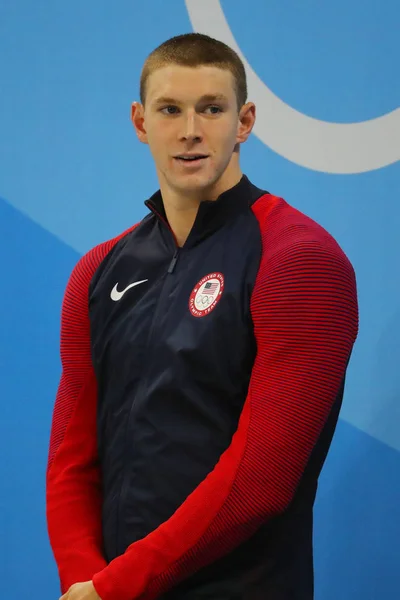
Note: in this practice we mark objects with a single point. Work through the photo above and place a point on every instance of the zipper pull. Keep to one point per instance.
(173, 261)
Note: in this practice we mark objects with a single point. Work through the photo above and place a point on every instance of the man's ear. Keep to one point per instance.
(137, 118)
(247, 118)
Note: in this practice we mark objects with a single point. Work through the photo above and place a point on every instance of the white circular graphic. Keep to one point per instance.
(206, 294)
(312, 143)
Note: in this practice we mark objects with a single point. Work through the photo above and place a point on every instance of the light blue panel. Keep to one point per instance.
(335, 61)
(357, 524)
(32, 287)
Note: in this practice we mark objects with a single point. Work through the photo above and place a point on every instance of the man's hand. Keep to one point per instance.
(81, 591)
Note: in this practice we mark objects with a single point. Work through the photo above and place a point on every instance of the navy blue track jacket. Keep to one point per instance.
(200, 391)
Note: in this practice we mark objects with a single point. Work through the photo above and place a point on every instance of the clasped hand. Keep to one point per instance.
(81, 591)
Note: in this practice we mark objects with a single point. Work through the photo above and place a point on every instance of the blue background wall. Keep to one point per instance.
(73, 174)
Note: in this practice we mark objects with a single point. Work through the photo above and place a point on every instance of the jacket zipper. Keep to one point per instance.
(124, 483)
(171, 267)
(174, 260)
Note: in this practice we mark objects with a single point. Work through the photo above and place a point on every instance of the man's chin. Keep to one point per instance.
(195, 184)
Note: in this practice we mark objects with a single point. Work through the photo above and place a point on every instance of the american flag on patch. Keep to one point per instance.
(210, 288)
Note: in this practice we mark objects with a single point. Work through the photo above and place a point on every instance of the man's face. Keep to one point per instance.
(192, 125)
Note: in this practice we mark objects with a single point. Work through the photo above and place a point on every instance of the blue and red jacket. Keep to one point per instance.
(200, 391)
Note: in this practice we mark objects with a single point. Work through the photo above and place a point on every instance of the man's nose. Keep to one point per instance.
(191, 127)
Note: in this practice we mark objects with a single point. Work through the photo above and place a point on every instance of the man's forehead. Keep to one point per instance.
(174, 82)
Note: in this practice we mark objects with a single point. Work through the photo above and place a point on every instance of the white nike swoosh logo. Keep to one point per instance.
(116, 295)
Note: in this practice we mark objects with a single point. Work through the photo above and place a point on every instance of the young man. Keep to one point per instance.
(204, 354)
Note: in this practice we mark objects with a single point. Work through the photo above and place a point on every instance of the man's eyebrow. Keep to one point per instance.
(205, 98)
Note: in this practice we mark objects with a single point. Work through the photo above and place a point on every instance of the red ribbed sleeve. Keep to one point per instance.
(73, 491)
(305, 315)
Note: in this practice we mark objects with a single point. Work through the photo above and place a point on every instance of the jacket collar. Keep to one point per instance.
(212, 214)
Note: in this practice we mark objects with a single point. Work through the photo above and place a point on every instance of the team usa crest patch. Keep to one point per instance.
(206, 294)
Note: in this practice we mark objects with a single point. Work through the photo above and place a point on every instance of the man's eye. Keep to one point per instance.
(214, 109)
(169, 110)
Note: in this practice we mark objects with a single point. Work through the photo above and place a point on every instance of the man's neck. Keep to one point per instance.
(181, 209)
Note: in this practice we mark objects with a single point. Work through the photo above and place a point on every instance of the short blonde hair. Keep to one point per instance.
(195, 50)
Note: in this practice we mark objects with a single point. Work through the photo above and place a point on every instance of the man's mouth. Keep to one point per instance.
(191, 158)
